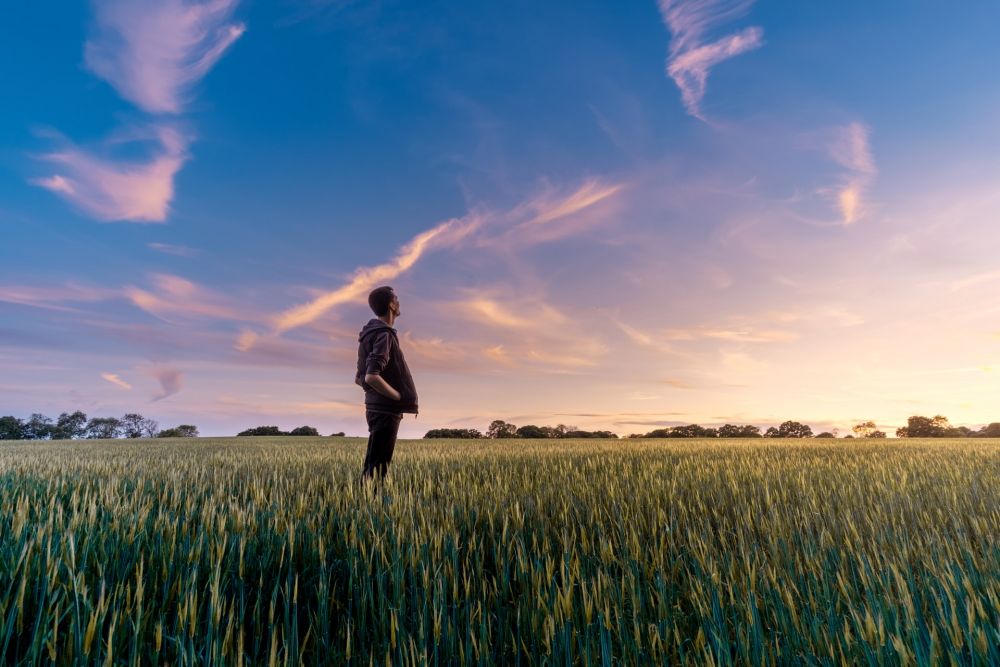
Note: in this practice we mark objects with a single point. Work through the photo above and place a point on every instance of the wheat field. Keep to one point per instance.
(267, 551)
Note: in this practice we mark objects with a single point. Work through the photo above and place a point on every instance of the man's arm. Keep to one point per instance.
(376, 363)
(381, 386)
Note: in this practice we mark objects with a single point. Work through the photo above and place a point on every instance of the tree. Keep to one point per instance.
(38, 427)
(792, 429)
(826, 434)
(924, 427)
(463, 433)
(531, 431)
(103, 427)
(69, 426)
(262, 430)
(11, 428)
(304, 430)
(877, 434)
(771, 432)
(136, 426)
(150, 427)
(864, 429)
(734, 431)
(338, 434)
(990, 431)
(501, 429)
(182, 431)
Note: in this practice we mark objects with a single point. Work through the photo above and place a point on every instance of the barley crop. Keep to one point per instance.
(255, 551)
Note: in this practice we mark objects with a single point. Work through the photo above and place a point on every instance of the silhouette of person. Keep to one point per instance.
(383, 374)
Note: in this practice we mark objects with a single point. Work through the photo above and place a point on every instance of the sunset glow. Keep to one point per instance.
(607, 216)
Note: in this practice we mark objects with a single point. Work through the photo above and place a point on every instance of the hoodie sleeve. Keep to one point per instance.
(378, 358)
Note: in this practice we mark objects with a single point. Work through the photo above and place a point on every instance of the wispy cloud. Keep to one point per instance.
(177, 296)
(735, 335)
(552, 215)
(114, 379)
(169, 379)
(113, 190)
(691, 58)
(850, 148)
(52, 297)
(154, 51)
(171, 249)
(365, 279)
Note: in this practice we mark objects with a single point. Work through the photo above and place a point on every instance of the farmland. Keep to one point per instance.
(266, 551)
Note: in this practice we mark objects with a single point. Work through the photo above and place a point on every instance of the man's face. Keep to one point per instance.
(394, 306)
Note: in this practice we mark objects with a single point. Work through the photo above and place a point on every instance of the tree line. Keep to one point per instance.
(917, 427)
(274, 430)
(76, 426)
(500, 429)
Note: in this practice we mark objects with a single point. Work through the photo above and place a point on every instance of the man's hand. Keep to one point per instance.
(381, 386)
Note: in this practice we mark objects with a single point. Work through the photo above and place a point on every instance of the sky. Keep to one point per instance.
(615, 216)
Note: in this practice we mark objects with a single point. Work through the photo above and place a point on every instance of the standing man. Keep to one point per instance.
(388, 385)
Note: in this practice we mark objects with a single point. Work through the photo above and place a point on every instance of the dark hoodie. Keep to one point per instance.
(379, 354)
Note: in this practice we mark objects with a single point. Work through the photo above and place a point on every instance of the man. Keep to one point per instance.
(388, 385)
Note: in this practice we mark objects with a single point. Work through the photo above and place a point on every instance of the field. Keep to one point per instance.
(266, 551)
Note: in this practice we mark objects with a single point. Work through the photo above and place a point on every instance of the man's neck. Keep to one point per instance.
(388, 319)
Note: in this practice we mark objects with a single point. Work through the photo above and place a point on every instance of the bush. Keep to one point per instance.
(262, 430)
(303, 430)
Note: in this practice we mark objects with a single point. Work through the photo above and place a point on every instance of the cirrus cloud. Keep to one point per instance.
(153, 51)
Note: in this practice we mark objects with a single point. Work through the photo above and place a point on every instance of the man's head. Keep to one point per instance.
(384, 301)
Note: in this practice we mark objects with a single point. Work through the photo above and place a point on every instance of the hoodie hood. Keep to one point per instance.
(372, 326)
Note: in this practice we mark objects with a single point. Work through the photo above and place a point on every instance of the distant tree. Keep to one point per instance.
(989, 431)
(501, 429)
(560, 430)
(772, 432)
(848, 436)
(589, 434)
(877, 434)
(864, 429)
(303, 430)
(793, 429)
(826, 434)
(38, 427)
(135, 425)
(338, 434)
(11, 428)
(735, 431)
(69, 426)
(657, 433)
(103, 427)
(532, 431)
(463, 433)
(150, 427)
(182, 431)
(262, 430)
(692, 431)
(924, 427)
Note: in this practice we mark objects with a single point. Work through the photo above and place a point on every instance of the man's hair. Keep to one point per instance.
(379, 300)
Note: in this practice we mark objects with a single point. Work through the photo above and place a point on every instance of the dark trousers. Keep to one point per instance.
(382, 430)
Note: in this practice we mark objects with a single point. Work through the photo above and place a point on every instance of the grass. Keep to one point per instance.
(266, 551)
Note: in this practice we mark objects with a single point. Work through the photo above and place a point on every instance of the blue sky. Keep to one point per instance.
(601, 214)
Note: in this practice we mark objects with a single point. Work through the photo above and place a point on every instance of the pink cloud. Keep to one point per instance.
(446, 234)
(176, 296)
(51, 297)
(691, 59)
(115, 380)
(115, 190)
(850, 148)
(154, 51)
(170, 382)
